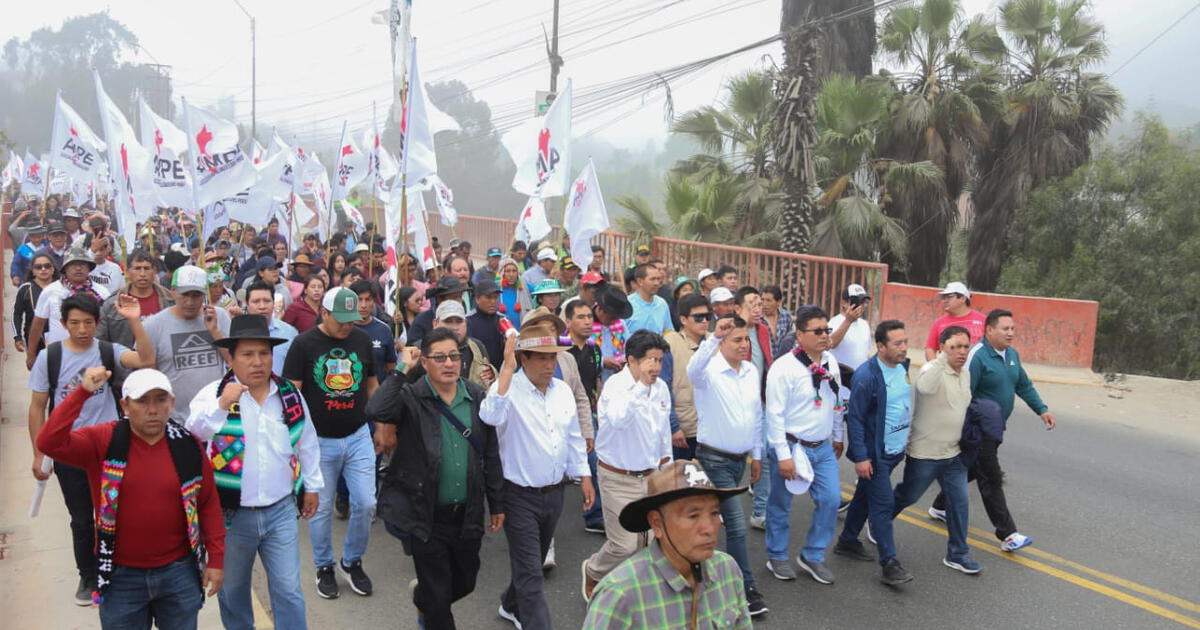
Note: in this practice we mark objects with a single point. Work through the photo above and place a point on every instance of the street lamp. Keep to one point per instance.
(253, 74)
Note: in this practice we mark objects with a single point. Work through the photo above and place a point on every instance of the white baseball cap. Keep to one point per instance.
(191, 278)
(704, 273)
(804, 472)
(855, 290)
(547, 253)
(956, 287)
(720, 294)
(143, 381)
(450, 309)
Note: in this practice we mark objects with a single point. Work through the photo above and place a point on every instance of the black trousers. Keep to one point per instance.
(446, 568)
(530, 517)
(77, 494)
(986, 474)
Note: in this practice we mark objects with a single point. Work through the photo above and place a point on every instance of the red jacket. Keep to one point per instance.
(151, 527)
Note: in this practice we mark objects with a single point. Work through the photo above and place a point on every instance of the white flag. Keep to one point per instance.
(418, 127)
(351, 167)
(14, 171)
(218, 165)
(257, 153)
(531, 223)
(542, 153)
(308, 170)
(381, 165)
(216, 215)
(445, 200)
(400, 29)
(167, 143)
(60, 183)
(129, 165)
(74, 147)
(585, 214)
(321, 204)
(33, 179)
(276, 180)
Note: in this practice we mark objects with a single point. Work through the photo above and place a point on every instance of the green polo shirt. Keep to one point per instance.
(452, 475)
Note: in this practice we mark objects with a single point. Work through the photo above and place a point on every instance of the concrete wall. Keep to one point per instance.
(1049, 331)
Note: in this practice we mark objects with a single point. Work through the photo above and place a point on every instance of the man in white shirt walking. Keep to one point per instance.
(541, 445)
(633, 439)
(264, 452)
(729, 429)
(804, 419)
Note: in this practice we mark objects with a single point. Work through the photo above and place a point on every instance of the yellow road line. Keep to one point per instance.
(992, 547)
(1108, 591)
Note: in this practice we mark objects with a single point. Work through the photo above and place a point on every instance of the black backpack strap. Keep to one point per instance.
(458, 426)
(109, 360)
(53, 365)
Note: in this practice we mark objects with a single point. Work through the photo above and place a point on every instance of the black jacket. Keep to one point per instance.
(409, 493)
(984, 421)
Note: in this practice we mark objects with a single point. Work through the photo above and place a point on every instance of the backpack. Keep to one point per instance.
(107, 358)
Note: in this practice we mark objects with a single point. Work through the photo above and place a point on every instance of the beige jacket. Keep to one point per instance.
(942, 397)
(681, 386)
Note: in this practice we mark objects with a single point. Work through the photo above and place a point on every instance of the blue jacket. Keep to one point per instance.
(983, 421)
(21, 261)
(867, 414)
(993, 380)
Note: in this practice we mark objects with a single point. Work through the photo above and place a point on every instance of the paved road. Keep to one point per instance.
(1096, 496)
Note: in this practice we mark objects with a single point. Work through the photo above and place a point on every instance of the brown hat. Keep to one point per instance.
(540, 330)
(681, 478)
(301, 259)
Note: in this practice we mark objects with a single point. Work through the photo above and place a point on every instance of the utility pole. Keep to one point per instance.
(253, 74)
(556, 62)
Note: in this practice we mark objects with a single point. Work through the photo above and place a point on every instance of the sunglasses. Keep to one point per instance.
(700, 317)
(40, 266)
(819, 331)
(442, 358)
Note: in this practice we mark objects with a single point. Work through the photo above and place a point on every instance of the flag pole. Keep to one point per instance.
(374, 171)
(337, 164)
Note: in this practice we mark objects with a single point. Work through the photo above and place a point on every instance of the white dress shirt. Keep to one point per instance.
(540, 442)
(727, 401)
(791, 409)
(266, 462)
(634, 423)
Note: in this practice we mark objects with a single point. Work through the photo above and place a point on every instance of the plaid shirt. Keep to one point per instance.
(783, 338)
(646, 591)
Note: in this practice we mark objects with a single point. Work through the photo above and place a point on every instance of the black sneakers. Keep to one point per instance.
(894, 574)
(854, 549)
(326, 583)
(83, 592)
(341, 507)
(754, 601)
(354, 574)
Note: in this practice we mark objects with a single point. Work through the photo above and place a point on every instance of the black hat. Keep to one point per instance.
(486, 287)
(446, 284)
(681, 478)
(615, 303)
(247, 327)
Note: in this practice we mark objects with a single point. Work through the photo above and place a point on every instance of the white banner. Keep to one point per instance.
(541, 150)
(585, 215)
(172, 181)
(74, 147)
(218, 165)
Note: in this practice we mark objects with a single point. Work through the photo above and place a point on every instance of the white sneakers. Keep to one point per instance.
(1015, 541)
(549, 562)
(937, 515)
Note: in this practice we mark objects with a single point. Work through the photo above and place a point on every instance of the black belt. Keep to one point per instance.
(266, 507)
(793, 440)
(541, 489)
(725, 454)
(450, 509)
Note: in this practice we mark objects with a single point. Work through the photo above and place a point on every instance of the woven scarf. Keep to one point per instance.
(185, 453)
(228, 445)
(85, 289)
(820, 373)
(617, 328)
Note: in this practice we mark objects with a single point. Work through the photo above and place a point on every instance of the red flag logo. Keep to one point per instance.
(203, 138)
(158, 140)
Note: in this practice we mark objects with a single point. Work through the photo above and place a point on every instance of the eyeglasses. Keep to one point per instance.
(818, 331)
(40, 266)
(700, 317)
(442, 358)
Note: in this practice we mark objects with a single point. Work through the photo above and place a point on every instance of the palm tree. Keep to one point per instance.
(938, 114)
(855, 181)
(1055, 111)
(696, 210)
(737, 139)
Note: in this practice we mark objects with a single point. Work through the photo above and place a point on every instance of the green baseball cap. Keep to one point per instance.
(342, 303)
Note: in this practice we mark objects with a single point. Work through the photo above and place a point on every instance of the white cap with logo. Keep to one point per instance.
(547, 253)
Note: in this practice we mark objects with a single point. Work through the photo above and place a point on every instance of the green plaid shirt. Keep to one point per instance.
(646, 591)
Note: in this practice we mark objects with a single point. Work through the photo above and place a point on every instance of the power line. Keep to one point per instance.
(1155, 39)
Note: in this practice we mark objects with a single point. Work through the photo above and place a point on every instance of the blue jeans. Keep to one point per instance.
(353, 457)
(169, 597)
(763, 488)
(271, 533)
(873, 498)
(594, 516)
(825, 495)
(951, 475)
(727, 473)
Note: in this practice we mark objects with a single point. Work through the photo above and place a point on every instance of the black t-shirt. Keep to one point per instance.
(334, 374)
(590, 363)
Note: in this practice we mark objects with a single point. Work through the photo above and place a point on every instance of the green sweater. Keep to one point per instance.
(1000, 378)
